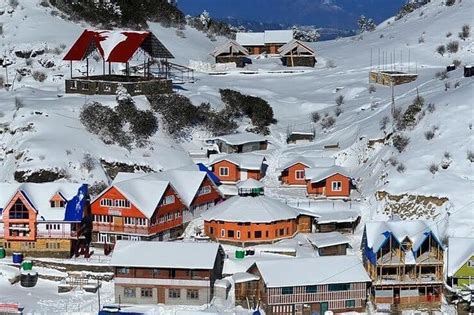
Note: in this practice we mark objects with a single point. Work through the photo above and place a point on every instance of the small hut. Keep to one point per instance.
(231, 51)
(119, 47)
(391, 78)
(295, 54)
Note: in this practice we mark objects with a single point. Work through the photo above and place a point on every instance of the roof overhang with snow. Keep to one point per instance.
(116, 46)
(230, 47)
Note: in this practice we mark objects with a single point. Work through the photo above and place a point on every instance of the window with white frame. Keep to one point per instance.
(73, 84)
(174, 293)
(129, 292)
(223, 171)
(192, 294)
(238, 235)
(336, 186)
(146, 292)
(299, 174)
(105, 202)
(168, 200)
(470, 263)
(204, 190)
(222, 233)
(121, 203)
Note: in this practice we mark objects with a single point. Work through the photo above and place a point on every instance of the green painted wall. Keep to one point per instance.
(464, 273)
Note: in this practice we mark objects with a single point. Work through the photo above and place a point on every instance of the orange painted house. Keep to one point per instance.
(232, 168)
(33, 219)
(332, 182)
(293, 172)
(252, 217)
(156, 205)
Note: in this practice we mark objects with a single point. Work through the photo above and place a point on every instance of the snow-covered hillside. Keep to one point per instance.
(41, 129)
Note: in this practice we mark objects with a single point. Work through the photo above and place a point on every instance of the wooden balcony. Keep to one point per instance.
(127, 229)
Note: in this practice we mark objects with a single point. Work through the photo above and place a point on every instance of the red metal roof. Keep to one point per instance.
(114, 46)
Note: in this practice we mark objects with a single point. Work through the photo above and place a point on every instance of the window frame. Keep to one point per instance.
(129, 292)
(145, 291)
(338, 183)
(221, 168)
(287, 290)
(297, 172)
(174, 293)
(192, 294)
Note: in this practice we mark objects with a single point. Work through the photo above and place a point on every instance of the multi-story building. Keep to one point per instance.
(460, 262)
(329, 182)
(404, 260)
(41, 219)
(166, 272)
(293, 171)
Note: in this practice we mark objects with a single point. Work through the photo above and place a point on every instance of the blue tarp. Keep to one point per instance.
(75, 206)
(212, 176)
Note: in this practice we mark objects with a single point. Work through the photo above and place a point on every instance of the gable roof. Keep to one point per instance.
(39, 196)
(299, 46)
(460, 250)
(321, 240)
(116, 46)
(262, 38)
(312, 271)
(246, 161)
(309, 162)
(317, 174)
(278, 36)
(240, 138)
(182, 255)
(230, 46)
(378, 232)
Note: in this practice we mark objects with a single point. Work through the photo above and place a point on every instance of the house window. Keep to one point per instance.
(123, 271)
(18, 211)
(222, 233)
(282, 231)
(211, 230)
(138, 88)
(223, 171)
(287, 290)
(146, 292)
(85, 86)
(107, 88)
(105, 202)
(350, 303)
(129, 292)
(238, 235)
(299, 174)
(174, 293)
(192, 294)
(121, 203)
(470, 263)
(230, 233)
(204, 190)
(311, 289)
(336, 186)
(168, 200)
(258, 234)
(339, 287)
(73, 85)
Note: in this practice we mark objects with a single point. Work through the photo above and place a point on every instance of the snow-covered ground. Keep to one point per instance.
(40, 127)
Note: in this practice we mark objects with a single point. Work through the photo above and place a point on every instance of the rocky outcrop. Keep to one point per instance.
(408, 206)
(113, 168)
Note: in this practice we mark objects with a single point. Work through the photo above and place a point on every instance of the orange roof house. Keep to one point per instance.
(232, 168)
(252, 217)
(330, 182)
(293, 171)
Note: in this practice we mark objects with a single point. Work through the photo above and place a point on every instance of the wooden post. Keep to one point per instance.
(70, 67)
(103, 66)
(87, 67)
(110, 68)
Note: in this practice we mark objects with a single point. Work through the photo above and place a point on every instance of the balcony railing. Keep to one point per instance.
(107, 227)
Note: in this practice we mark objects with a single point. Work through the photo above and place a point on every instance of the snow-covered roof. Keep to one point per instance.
(309, 162)
(228, 47)
(185, 255)
(143, 194)
(240, 277)
(250, 39)
(258, 209)
(300, 48)
(460, 249)
(343, 216)
(278, 36)
(317, 174)
(246, 161)
(39, 196)
(312, 271)
(250, 184)
(377, 232)
(321, 240)
(240, 138)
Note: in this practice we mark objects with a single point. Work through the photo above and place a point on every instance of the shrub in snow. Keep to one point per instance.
(457, 84)
(442, 75)
(144, 124)
(441, 49)
(330, 64)
(446, 161)
(410, 117)
(305, 33)
(384, 122)
(452, 46)
(371, 88)
(339, 100)
(450, 2)
(365, 24)
(104, 122)
(126, 109)
(456, 62)
(465, 32)
(88, 162)
(393, 161)
(448, 34)
(447, 85)
(39, 76)
(315, 117)
(337, 111)
(421, 39)
(401, 168)
(433, 168)
(13, 3)
(68, 152)
(470, 156)
(29, 61)
(96, 188)
(429, 134)
(327, 122)
(44, 3)
(400, 142)
(2, 81)
(431, 107)
(18, 103)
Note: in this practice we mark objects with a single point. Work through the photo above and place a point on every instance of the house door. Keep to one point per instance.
(243, 175)
(324, 307)
(103, 238)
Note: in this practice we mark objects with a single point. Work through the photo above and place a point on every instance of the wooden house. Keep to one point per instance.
(300, 137)
(297, 54)
(460, 262)
(310, 285)
(232, 168)
(268, 41)
(293, 171)
(119, 47)
(173, 273)
(238, 143)
(329, 244)
(231, 51)
(404, 260)
(337, 220)
(42, 219)
(329, 182)
(252, 218)
(148, 206)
